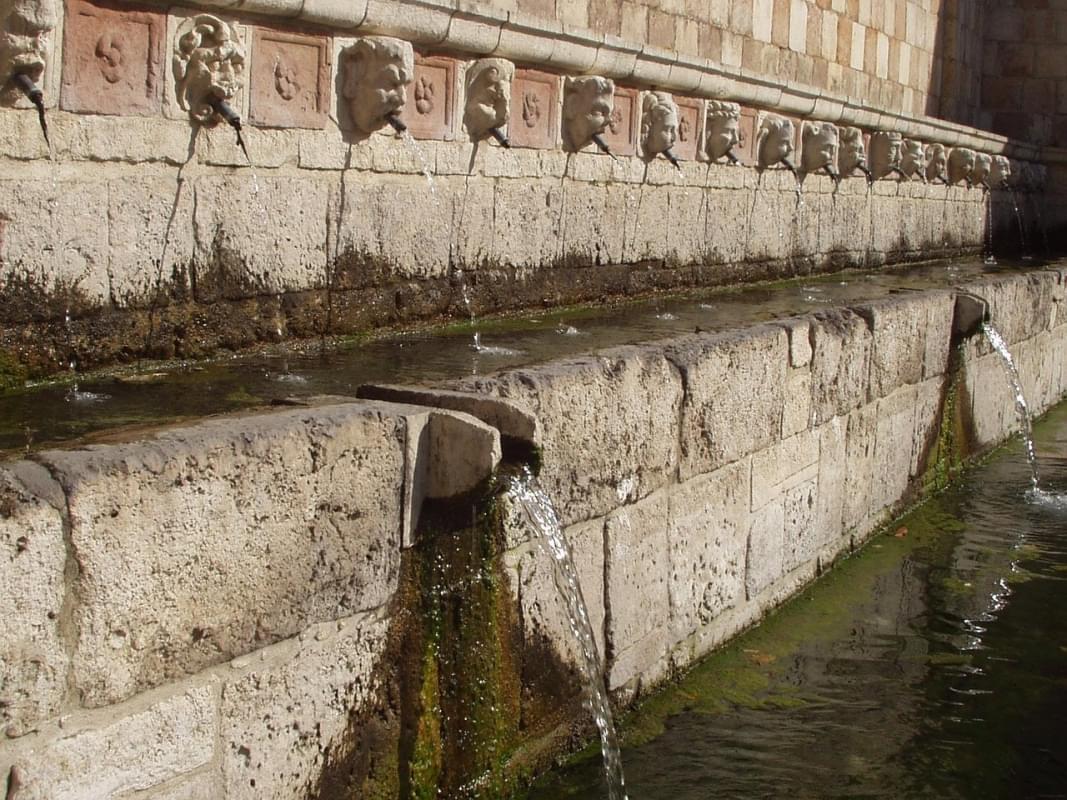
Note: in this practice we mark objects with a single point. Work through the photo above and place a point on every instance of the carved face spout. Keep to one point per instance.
(885, 153)
(659, 123)
(488, 96)
(821, 142)
(209, 62)
(983, 166)
(25, 33)
(723, 129)
(377, 71)
(936, 163)
(852, 154)
(961, 165)
(775, 141)
(913, 159)
(587, 106)
(1001, 173)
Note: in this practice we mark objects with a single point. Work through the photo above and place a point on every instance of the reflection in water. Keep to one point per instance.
(931, 665)
(230, 384)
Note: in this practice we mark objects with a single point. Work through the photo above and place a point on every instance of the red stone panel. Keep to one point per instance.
(430, 111)
(689, 128)
(112, 60)
(746, 150)
(621, 135)
(534, 109)
(289, 83)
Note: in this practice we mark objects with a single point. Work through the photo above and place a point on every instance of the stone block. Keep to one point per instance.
(284, 716)
(289, 83)
(638, 623)
(937, 332)
(649, 206)
(895, 438)
(535, 99)
(34, 662)
(138, 750)
(765, 550)
(898, 342)
(207, 542)
(685, 233)
(928, 400)
(609, 425)
(196, 787)
(709, 523)
(259, 235)
(779, 467)
(526, 223)
(796, 413)
(124, 139)
(799, 342)
(151, 225)
(802, 540)
(51, 237)
(840, 363)
(735, 394)
(112, 60)
(432, 108)
(621, 135)
(833, 478)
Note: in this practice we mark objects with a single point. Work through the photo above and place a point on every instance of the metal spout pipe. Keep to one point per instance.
(26, 85)
(396, 123)
(733, 159)
(600, 143)
(670, 156)
(829, 170)
(790, 166)
(864, 169)
(498, 134)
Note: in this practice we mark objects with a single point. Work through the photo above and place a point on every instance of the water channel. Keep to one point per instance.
(152, 393)
(932, 664)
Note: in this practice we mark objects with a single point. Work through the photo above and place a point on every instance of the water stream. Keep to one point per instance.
(997, 342)
(990, 254)
(1022, 227)
(538, 508)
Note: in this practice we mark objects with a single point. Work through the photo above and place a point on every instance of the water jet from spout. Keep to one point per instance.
(599, 142)
(670, 156)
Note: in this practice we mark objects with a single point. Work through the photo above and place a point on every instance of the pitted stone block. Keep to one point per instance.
(112, 60)
(289, 84)
(207, 542)
(840, 363)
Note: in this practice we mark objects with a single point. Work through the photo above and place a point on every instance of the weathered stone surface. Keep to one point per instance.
(781, 466)
(833, 478)
(638, 622)
(898, 349)
(894, 447)
(534, 109)
(765, 553)
(281, 718)
(841, 351)
(242, 248)
(289, 84)
(197, 787)
(734, 394)
(204, 543)
(796, 413)
(860, 467)
(140, 750)
(464, 452)
(34, 662)
(706, 539)
(609, 425)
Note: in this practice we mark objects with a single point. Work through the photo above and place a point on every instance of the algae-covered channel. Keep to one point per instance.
(150, 393)
(932, 664)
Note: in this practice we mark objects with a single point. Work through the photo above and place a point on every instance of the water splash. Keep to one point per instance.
(490, 349)
(997, 342)
(538, 509)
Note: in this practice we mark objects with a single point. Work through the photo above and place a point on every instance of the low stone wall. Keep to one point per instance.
(203, 613)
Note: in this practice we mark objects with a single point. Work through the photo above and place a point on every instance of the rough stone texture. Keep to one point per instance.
(34, 662)
(281, 718)
(840, 366)
(608, 425)
(463, 453)
(140, 749)
(899, 343)
(204, 543)
(734, 399)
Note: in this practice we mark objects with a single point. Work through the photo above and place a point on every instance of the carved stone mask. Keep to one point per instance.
(936, 162)
(25, 41)
(1001, 173)
(587, 105)
(488, 96)
(852, 153)
(775, 141)
(885, 153)
(983, 166)
(821, 142)
(913, 159)
(960, 165)
(377, 71)
(723, 129)
(209, 61)
(659, 123)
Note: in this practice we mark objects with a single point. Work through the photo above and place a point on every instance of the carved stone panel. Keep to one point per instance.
(621, 133)
(746, 147)
(534, 109)
(112, 60)
(290, 80)
(430, 112)
(687, 143)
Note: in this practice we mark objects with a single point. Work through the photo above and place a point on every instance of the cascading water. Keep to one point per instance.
(997, 342)
(424, 163)
(990, 258)
(1022, 227)
(538, 509)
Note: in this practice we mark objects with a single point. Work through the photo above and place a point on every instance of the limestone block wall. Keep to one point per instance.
(144, 231)
(203, 612)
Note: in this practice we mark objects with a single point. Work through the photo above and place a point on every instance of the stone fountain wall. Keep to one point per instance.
(148, 234)
(203, 613)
